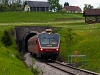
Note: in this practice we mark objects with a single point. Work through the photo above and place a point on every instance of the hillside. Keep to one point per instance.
(13, 17)
(85, 40)
(85, 37)
(9, 59)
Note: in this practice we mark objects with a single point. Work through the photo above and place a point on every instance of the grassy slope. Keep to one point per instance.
(90, 46)
(88, 36)
(33, 17)
(9, 64)
(88, 43)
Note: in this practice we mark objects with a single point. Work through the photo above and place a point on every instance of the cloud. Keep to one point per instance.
(80, 3)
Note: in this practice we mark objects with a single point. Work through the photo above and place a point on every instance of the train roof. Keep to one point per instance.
(49, 35)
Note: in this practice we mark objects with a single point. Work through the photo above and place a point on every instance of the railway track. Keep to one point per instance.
(58, 68)
(70, 70)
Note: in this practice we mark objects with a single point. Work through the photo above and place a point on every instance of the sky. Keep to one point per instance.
(80, 3)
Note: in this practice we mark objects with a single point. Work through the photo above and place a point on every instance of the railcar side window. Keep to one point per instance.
(32, 43)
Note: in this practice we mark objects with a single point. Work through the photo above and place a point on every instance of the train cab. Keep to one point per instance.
(46, 44)
(49, 44)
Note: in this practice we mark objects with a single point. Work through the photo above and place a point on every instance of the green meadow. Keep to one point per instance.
(13, 17)
(75, 35)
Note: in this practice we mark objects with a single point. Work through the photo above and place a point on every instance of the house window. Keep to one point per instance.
(42, 8)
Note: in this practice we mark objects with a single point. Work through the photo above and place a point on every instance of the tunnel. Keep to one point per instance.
(27, 38)
(23, 33)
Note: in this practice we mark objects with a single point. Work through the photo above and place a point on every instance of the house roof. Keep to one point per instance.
(72, 8)
(91, 12)
(37, 4)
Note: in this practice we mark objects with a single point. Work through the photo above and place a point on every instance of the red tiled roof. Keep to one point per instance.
(92, 12)
(73, 8)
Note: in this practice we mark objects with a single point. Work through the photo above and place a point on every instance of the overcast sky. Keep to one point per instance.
(80, 3)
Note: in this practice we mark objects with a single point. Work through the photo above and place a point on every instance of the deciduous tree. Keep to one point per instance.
(11, 5)
(54, 5)
(4, 8)
(87, 6)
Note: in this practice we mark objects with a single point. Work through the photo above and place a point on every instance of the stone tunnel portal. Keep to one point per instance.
(23, 33)
(27, 38)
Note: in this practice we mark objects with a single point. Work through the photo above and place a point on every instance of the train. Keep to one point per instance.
(45, 45)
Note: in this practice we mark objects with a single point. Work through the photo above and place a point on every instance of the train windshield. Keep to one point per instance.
(44, 41)
(49, 40)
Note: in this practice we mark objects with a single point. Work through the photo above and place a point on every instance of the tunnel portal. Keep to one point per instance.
(27, 38)
(23, 33)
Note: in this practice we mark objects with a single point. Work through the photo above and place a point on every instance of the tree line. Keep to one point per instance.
(55, 6)
(11, 5)
(17, 5)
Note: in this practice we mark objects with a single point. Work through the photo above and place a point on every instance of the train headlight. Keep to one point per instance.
(57, 49)
(49, 33)
(41, 49)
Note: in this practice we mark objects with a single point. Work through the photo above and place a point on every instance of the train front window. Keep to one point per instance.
(44, 41)
(53, 41)
(49, 40)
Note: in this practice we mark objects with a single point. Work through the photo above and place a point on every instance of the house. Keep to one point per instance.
(73, 9)
(92, 15)
(36, 6)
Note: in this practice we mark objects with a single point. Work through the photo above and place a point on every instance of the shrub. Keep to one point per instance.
(70, 37)
(20, 56)
(63, 11)
(4, 8)
(57, 29)
(34, 70)
(67, 36)
(6, 39)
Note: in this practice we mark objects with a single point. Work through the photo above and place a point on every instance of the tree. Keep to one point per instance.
(54, 5)
(4, 1)
(11, 5)
(59, 7)
(87, 6)
(15, 7)
(19, 2)
(66, 4)
(3, 8)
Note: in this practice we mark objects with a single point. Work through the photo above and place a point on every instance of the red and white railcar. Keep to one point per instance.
(45, 45)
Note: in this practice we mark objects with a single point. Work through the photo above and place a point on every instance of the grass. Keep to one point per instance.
(88, 41)
(9, 63)
(90, 47)
(11, 17)
(86, 37)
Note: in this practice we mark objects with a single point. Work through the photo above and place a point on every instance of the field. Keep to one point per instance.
(11, 17)
(81, 37)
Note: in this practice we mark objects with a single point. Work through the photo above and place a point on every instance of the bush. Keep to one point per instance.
(34, 70)
(20, 56)
(57, 29)
(4, 8)
(67, 36)
(6, 39)
(63, 11)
